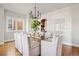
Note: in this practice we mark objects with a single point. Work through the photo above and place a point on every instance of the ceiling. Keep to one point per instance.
(25, 8)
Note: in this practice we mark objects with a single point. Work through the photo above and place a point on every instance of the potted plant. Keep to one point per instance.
(35, 25)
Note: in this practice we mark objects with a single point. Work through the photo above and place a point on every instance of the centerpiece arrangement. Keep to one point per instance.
(35, 25)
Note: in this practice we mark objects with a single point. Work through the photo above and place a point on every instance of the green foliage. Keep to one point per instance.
(35, 25)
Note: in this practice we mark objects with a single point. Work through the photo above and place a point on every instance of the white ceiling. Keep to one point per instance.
(25, 8)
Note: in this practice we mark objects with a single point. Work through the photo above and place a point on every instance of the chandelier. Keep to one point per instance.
(35, 14)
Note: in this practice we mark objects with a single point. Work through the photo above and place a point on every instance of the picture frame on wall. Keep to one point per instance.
(9, 23)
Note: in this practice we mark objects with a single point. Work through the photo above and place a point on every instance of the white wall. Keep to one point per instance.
(64, 13)
(75, 24)
(71, 14)
(10, 35)
(28, 24)
(1, 25)
(7, 36)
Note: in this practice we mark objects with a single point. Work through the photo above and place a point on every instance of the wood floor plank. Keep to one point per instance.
(70, 50)
(8, 49)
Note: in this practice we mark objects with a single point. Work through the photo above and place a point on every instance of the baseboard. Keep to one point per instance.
(9, 40)
(70, 44)
(75, 45)
(1, 43)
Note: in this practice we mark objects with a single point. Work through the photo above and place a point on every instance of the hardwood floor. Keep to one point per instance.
(70, 50)
(8, 49)
(75, 51)
(66, 50)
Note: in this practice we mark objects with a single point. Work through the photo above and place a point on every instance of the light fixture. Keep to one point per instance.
(35, 14)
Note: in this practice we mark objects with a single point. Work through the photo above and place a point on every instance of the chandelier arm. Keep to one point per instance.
(35, 10)
(36, 14)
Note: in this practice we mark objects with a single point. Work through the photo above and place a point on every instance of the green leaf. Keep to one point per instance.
(35, 25)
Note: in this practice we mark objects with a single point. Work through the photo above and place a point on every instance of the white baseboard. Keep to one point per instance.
(70, 44)
(1, 43)
(75, 45)
(5, 41)
(8, 40)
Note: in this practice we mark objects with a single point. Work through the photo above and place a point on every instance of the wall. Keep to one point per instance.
(64, 13)
(28, 24)
(75, 24)
(10, 35)
(71, 14)
(1, 25)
